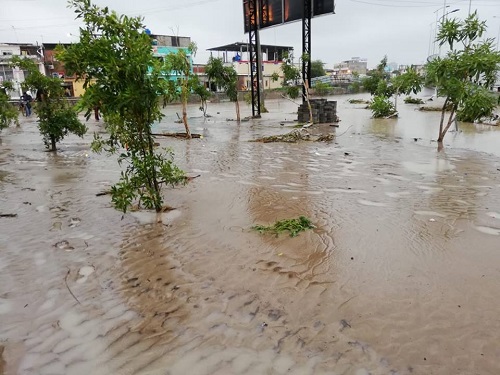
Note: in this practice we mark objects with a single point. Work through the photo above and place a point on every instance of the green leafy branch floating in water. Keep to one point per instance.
(294, 226)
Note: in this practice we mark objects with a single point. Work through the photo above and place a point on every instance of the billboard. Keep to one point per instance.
(278, 12)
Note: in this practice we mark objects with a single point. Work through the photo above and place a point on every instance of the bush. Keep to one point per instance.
(322, 89)
(354, 87)
(381, 107)
(8, 113)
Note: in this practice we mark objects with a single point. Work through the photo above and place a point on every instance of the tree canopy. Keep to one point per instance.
(317, 68)
(56, 117)
(124, 80)
(463, 77)
(224, 77)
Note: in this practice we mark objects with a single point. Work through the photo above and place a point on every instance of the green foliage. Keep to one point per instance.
(178, 66)
(408, 82)
(293, 226)
(464, 74)
(224, 77)
(322, 89)
(382, 86)
(132, 187)
(121, 76)
(293, 92)
(381, 106)
(247, 97)
(291, 78)
(275, 77)
(200, 90)
(478, 103)
(8, 113)
(410, 100)
(354, 87)
(317, 68)
(56, 117)
(372, 82)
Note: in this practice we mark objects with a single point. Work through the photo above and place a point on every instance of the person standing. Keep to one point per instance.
(26, 100)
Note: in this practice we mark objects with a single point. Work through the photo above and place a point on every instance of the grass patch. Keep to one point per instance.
(293, 226)
(358, 101)
(411, 100)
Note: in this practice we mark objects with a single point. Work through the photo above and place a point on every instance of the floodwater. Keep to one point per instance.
(400, 276)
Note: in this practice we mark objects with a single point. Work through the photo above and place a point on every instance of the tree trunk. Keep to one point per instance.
(237, 110)
(53, 143)
(451, 119)
(396, 100)
(306, 85)
(156, 185)
(184, 117)
(440, 138)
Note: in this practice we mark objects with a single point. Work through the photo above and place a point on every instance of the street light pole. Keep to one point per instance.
(435, 30)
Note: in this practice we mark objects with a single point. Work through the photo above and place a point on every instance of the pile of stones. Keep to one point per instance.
(323, 111)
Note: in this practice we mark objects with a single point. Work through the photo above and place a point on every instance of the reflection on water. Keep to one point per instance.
(398, 277)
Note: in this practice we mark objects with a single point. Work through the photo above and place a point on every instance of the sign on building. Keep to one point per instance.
(279, 12)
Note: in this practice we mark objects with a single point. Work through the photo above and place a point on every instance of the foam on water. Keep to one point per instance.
(366, 202)
(488, 230)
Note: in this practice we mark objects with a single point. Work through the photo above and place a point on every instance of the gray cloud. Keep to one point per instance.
(399, 29)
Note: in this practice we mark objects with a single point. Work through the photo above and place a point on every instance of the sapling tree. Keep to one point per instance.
(199, 89)
(406, 83)
(56, 116)
(8, 114)
(178, 66)
(226, 78)
(292, 78)
(382, 87)
(463, 77)
(121, 76)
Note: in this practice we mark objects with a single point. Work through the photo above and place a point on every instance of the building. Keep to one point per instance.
(55, 69)
(348, 67)
(238, 56)
(15, 75)
(45, 56)
(164, 45)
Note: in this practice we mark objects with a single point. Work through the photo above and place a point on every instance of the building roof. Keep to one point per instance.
(51, 46)
(238, 46)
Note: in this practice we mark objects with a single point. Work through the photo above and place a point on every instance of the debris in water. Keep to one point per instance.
(64, 245)
(74, 222)
(67, 286)
(8, 215)
(294, 226)
(85, 272)
(344, 324)
(295, 136)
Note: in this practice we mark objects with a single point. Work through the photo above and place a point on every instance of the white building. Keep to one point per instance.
(237, 55)
(15, 75)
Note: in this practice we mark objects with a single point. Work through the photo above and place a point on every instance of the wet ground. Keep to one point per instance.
(401, 275)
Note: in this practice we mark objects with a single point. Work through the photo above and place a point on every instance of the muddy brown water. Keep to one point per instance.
(401, 275)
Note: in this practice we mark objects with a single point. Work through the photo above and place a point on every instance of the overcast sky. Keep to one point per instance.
(400, 29)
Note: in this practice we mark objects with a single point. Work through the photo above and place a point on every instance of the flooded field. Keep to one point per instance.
(400, 276)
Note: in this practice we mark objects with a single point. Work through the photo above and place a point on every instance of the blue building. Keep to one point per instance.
(164, 45)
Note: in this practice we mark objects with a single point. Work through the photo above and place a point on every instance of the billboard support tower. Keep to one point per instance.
(255, 60)
(306, 47)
